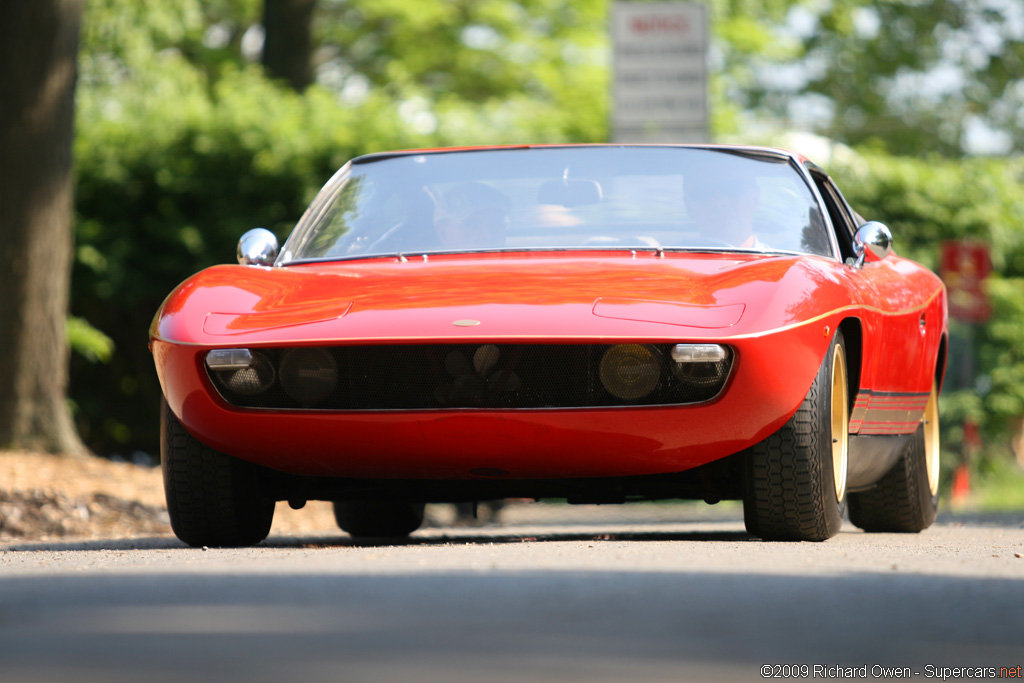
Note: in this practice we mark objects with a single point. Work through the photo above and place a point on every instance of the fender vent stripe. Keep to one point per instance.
(887, 412)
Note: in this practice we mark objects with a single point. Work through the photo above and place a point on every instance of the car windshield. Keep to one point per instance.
(601, 197)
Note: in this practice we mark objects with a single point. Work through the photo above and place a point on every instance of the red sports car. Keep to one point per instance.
(599, 324)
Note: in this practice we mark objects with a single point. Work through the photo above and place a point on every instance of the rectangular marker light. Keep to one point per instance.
(228, 359)
(699, 353)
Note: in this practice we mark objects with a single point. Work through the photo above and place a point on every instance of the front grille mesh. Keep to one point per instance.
(450, 376)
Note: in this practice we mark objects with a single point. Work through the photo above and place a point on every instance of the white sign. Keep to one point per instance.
(659, 90)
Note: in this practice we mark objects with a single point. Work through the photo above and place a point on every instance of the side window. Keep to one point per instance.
(838, 213)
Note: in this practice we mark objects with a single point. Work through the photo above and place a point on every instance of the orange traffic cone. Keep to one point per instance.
(961, 484)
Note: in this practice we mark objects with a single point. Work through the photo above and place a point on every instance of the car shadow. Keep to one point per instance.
(486, 535)
(432, 537)
(511, 538)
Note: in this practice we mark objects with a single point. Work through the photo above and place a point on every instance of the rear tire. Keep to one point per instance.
(906, 499)
(795, 480)
(378, 519)
(212, 499)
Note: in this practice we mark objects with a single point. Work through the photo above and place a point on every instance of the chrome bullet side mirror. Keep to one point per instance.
(258, 247)
(873, 243)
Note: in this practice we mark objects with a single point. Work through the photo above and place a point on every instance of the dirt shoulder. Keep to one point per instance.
(46, 497)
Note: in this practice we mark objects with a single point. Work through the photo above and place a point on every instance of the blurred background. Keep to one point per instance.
(197, 120)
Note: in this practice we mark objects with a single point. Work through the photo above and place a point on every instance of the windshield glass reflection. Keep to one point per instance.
(561, 198)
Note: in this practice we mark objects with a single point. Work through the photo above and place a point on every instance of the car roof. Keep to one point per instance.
(746, 150)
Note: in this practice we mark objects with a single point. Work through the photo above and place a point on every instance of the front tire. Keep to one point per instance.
(212, 498)
(906, 499)
(795, 480)
(378, 519)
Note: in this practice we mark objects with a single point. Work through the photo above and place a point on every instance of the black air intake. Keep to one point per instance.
(453, 376)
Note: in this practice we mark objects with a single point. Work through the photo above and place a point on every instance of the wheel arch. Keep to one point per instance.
(853, 337)
(940, 361)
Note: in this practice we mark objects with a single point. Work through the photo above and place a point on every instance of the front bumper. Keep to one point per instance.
(764, 390)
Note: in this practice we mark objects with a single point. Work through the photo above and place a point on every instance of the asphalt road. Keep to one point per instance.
(608, 594)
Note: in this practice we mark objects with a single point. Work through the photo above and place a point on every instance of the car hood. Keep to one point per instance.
(606, 296)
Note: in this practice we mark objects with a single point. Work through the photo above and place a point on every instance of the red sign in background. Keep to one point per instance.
(964, 267)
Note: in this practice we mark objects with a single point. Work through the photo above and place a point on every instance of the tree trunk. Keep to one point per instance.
(38, 67)
(288, 42)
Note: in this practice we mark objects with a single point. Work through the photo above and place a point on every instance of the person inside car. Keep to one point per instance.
(724, 210)
(471, 215)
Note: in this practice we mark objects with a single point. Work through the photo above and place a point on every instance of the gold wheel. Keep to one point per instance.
(840, 422)
(931, 440)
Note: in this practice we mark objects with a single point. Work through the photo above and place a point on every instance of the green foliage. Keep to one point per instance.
(998, 486)
(476, 50)
(86, 340)
(914, 77)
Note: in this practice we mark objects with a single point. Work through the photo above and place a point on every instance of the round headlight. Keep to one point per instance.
(485, 358)
(630, 371)
(251, 380)
(308, 375)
